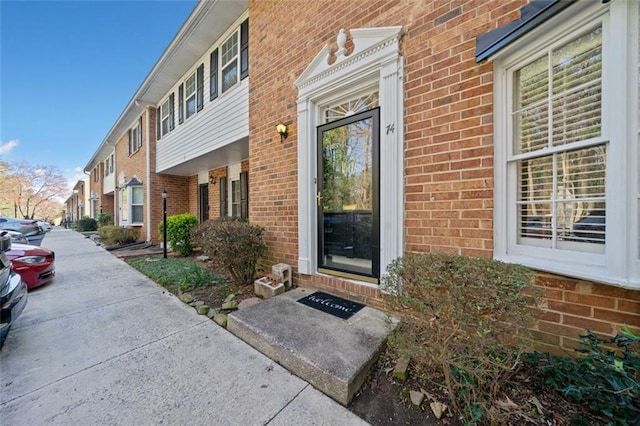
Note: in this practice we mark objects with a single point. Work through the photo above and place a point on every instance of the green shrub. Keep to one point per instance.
(179, 228)
(104, 219)
(235, 244)
(86, 224)
(464, 322)
(606, 378)
(112, 235)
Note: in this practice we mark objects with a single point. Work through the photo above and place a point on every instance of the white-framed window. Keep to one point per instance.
(190, 95)
(235, 197)
(136, 205)
(111, 163)
(132, 205)
(166, 113)
(165, 116)
(233, 178)
(229, 62)
(135, 137)
(106, 167)
(566, 99)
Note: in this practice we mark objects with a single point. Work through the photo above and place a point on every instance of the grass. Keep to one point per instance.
(176, 274)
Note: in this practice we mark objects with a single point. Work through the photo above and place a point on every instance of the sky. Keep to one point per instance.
(69, 68)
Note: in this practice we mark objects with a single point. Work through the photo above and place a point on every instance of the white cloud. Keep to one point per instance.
(6, 148)
(73, 176)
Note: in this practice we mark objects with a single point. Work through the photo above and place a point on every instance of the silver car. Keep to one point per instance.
(16, 237)
(28, 227)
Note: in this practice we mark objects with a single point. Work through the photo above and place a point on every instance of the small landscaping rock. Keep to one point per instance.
(416, 397)
(212, 312)
(230, 305)
(186, 297)
(400, 372)
(220, 319)
(229, 298)
(202, 309)
(438, 409)
(198, 303)
(203, 258)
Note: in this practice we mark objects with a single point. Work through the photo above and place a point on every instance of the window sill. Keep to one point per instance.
(597, 274)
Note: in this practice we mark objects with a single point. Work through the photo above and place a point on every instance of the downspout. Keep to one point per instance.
(148, 172)
(116, 189)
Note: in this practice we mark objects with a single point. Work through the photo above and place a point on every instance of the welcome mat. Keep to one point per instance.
(333, 305)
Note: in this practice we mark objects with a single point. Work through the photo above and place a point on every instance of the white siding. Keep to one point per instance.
(109, 183)
(221, 122)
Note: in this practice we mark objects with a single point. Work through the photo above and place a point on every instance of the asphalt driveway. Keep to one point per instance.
(103, 344)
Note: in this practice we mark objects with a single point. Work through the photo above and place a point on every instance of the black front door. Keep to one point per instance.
(203, 202)
(348, 201)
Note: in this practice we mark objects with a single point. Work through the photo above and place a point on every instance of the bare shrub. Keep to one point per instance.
(234, 243)
(465, 323)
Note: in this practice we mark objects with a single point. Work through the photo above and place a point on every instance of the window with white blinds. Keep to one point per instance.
(567, 145)
(559, 150)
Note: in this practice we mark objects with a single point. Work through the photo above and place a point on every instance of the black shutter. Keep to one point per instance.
(129, 144)
(181, 104)
(244, 195)
(172, 100)
(158, 124)
(200, 87)
(223, 196)
(244, 49)
(213, 76)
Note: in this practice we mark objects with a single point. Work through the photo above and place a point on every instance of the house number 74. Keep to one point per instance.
(391, 128)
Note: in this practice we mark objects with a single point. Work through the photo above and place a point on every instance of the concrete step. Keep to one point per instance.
(333, 354)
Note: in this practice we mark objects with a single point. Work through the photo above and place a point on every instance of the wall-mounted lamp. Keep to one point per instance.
(281, 128)
(212, 180)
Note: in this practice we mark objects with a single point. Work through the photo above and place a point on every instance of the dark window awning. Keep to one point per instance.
(133, 182)
(531, 15)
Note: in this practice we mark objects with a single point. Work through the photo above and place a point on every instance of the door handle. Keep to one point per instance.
(319, 197)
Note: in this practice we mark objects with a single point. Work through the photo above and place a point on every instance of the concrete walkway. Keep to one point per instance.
(102, 344)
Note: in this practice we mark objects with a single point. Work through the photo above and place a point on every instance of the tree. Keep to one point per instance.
(31, 190)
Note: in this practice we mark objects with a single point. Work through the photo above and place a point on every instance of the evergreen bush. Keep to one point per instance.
(605, 377)
(86, 224)
(117, 235)
(179, 228)
(104, 219)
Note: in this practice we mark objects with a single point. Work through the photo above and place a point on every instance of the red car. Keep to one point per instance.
(35, 264)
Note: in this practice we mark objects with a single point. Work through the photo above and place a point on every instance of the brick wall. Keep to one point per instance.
(131, 165)
(570, 306)
(214, 192)
(448, 142)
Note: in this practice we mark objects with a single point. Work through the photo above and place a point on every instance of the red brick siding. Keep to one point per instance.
(133, 165)
(571, 305)
(448, 138)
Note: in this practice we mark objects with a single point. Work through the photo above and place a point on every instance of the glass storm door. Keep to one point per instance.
(348, 181)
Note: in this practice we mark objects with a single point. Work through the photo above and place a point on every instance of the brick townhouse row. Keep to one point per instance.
(494, 129)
